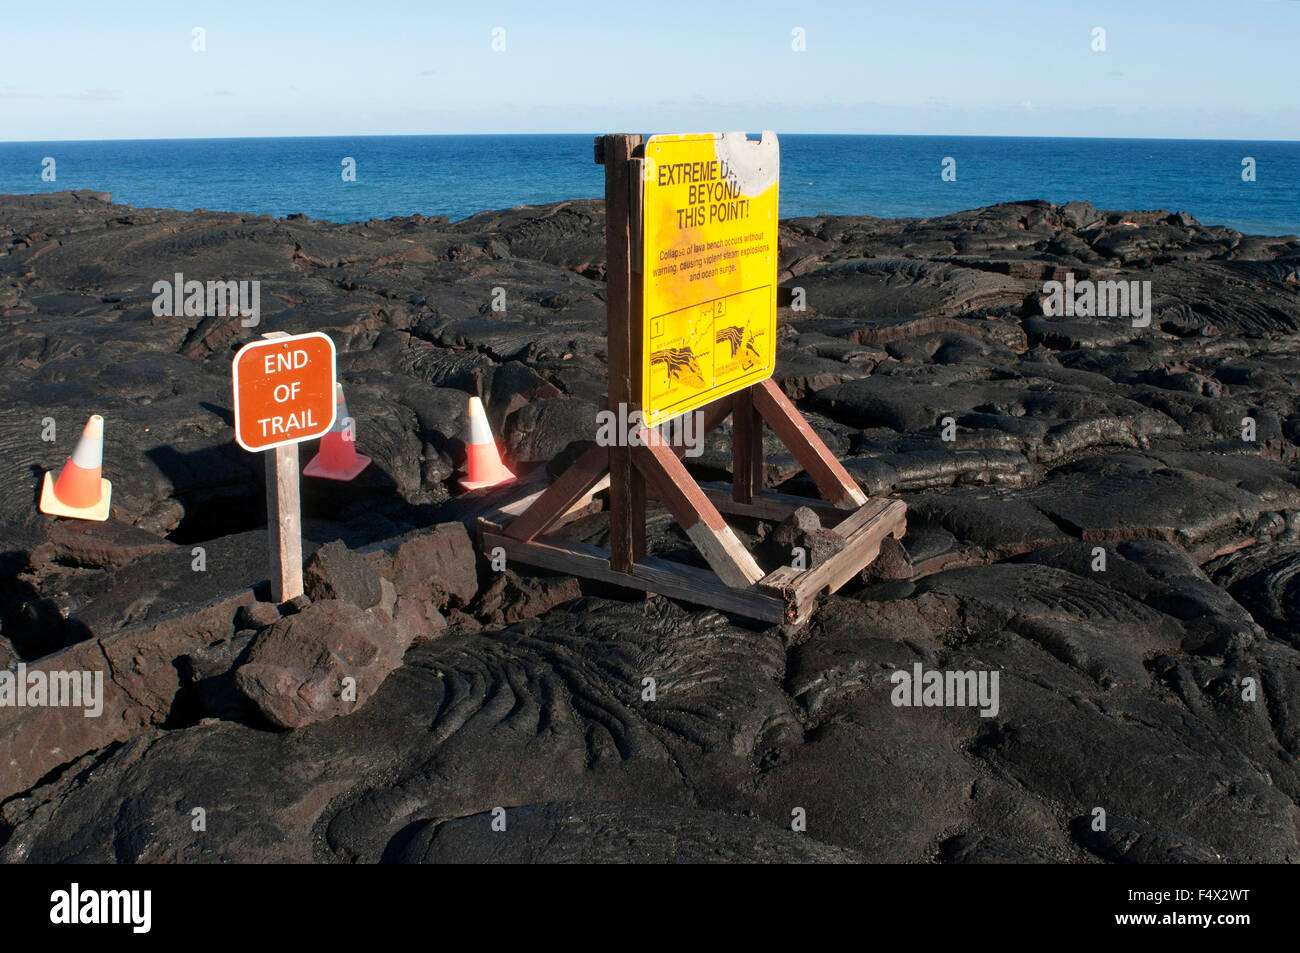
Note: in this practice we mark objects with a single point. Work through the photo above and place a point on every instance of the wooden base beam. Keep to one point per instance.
(770, 505)
(864, 531)
(650, 574)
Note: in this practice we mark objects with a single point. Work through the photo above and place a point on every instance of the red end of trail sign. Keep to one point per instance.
(284, 390)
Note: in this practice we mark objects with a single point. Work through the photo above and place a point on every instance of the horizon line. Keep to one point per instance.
(431, 135)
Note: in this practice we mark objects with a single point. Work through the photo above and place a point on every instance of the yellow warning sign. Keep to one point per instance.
(708, 269)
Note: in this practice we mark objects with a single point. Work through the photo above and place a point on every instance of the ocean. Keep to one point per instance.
(885, 176)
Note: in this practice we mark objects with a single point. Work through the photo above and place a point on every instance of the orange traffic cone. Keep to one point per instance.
(484, 464)
(80, 491)
(338, 458)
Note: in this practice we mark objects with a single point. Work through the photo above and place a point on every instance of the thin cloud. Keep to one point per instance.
(96, 94)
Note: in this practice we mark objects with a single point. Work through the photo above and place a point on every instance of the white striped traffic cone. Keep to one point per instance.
(484, 459)
(80, 491)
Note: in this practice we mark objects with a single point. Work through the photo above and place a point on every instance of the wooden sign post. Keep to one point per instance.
(284, 394)
(283, 522)
(691, 249)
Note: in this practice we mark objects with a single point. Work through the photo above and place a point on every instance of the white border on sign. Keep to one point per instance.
(274, 342)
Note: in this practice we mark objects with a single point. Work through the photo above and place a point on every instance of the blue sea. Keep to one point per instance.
(886, 176)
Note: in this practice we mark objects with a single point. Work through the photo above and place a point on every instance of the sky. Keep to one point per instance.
(86, 69)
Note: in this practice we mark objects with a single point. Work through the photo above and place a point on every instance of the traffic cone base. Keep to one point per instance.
(317, 469)
(54, 507)
(479, 484)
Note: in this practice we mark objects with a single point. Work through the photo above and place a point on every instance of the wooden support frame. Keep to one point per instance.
(863, 532)
(699, 518)
(746, 448)
(801, 440)
(622, 227)
(557, 499)
(648, 465)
